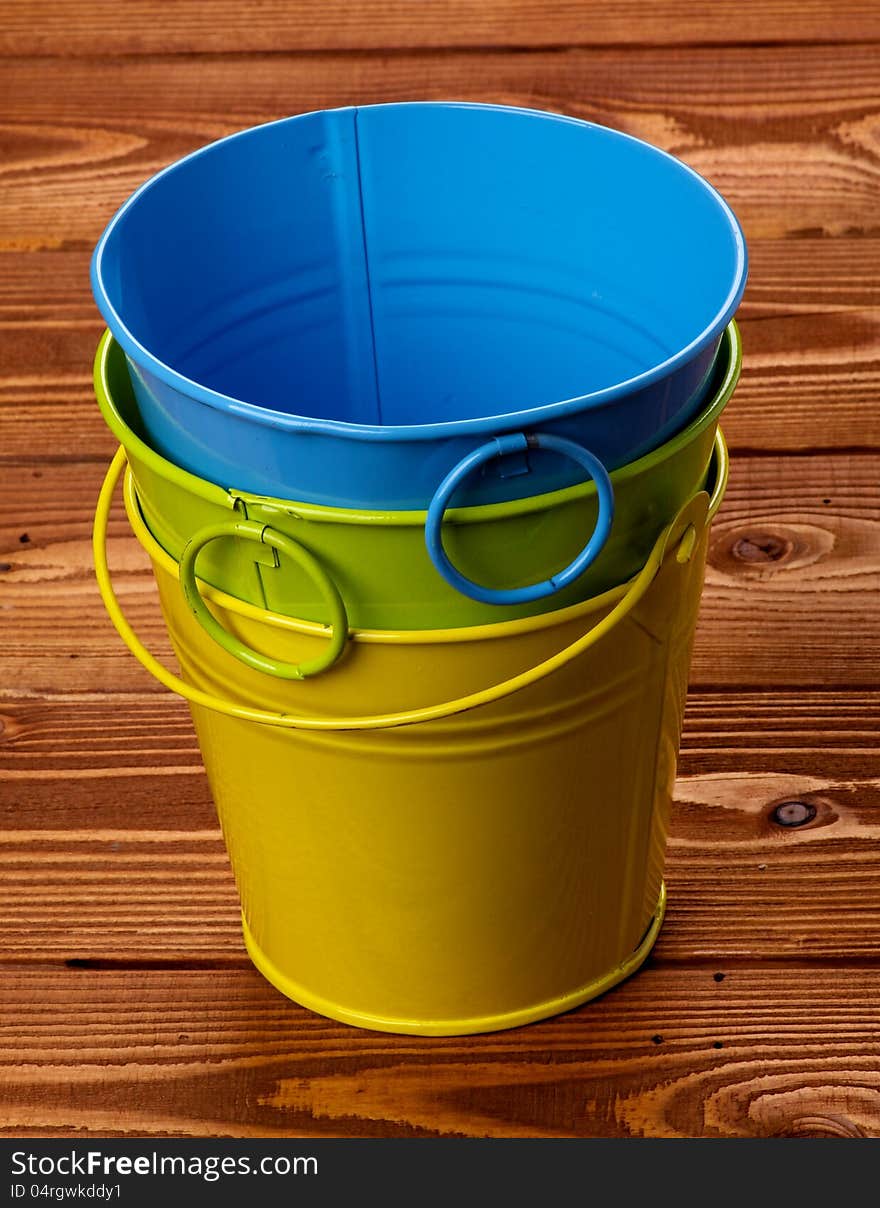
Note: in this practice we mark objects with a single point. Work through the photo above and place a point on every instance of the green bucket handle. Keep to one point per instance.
(250, 530)
(697, 512)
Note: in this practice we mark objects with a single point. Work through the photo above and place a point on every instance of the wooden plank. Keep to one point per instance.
(809, 382)
(127, 1002)
(49, 290)
(800, 733)
(69, 761)
(812, 278)
(187, 26)
(809, 323)
(790, 597)
(143, 875)
(671, 1053)
(793, 553)
(789, 142)
(130, 764)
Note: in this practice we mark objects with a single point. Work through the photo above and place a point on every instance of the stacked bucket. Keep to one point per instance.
(419, 405)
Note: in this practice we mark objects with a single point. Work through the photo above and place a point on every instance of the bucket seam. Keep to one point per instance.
(365, 243)
(636, 838)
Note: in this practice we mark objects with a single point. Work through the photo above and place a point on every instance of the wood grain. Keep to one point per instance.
(111, 850)
(127, 1002)
(126, 888)
(187, 26)
(792, 144)
(140, 751)
(673, 1052)
(810, 379)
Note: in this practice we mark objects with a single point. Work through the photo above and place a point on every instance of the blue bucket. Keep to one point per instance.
(344, 307)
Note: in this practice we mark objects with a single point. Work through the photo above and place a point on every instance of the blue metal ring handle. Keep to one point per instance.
(518, 442)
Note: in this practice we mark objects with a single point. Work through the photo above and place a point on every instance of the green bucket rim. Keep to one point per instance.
(713, 493)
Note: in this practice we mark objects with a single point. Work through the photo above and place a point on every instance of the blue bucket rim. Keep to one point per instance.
(281, 420)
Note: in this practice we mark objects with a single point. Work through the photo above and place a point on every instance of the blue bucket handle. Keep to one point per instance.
(518, 442)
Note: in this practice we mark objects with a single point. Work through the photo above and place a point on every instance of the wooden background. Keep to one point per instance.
(127, 1002)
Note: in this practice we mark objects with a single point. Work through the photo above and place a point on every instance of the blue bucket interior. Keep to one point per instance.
(412, 264)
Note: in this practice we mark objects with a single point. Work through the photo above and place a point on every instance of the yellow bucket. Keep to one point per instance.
(452, 867)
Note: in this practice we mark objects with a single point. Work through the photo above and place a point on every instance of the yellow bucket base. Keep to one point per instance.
(459, 1027)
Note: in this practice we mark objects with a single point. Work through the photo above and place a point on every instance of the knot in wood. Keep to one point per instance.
(793, 813)
(763, 547)
(821, 1126)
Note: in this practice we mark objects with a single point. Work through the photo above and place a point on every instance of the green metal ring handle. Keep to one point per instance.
(261, 534)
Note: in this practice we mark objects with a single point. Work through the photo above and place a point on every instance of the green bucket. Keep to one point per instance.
(378, 561)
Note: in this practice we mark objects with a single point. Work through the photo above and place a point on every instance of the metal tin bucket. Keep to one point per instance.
(380, 561)
(456, 867)
(341, 307)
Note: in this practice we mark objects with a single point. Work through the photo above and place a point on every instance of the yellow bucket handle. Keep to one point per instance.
(634, 592)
